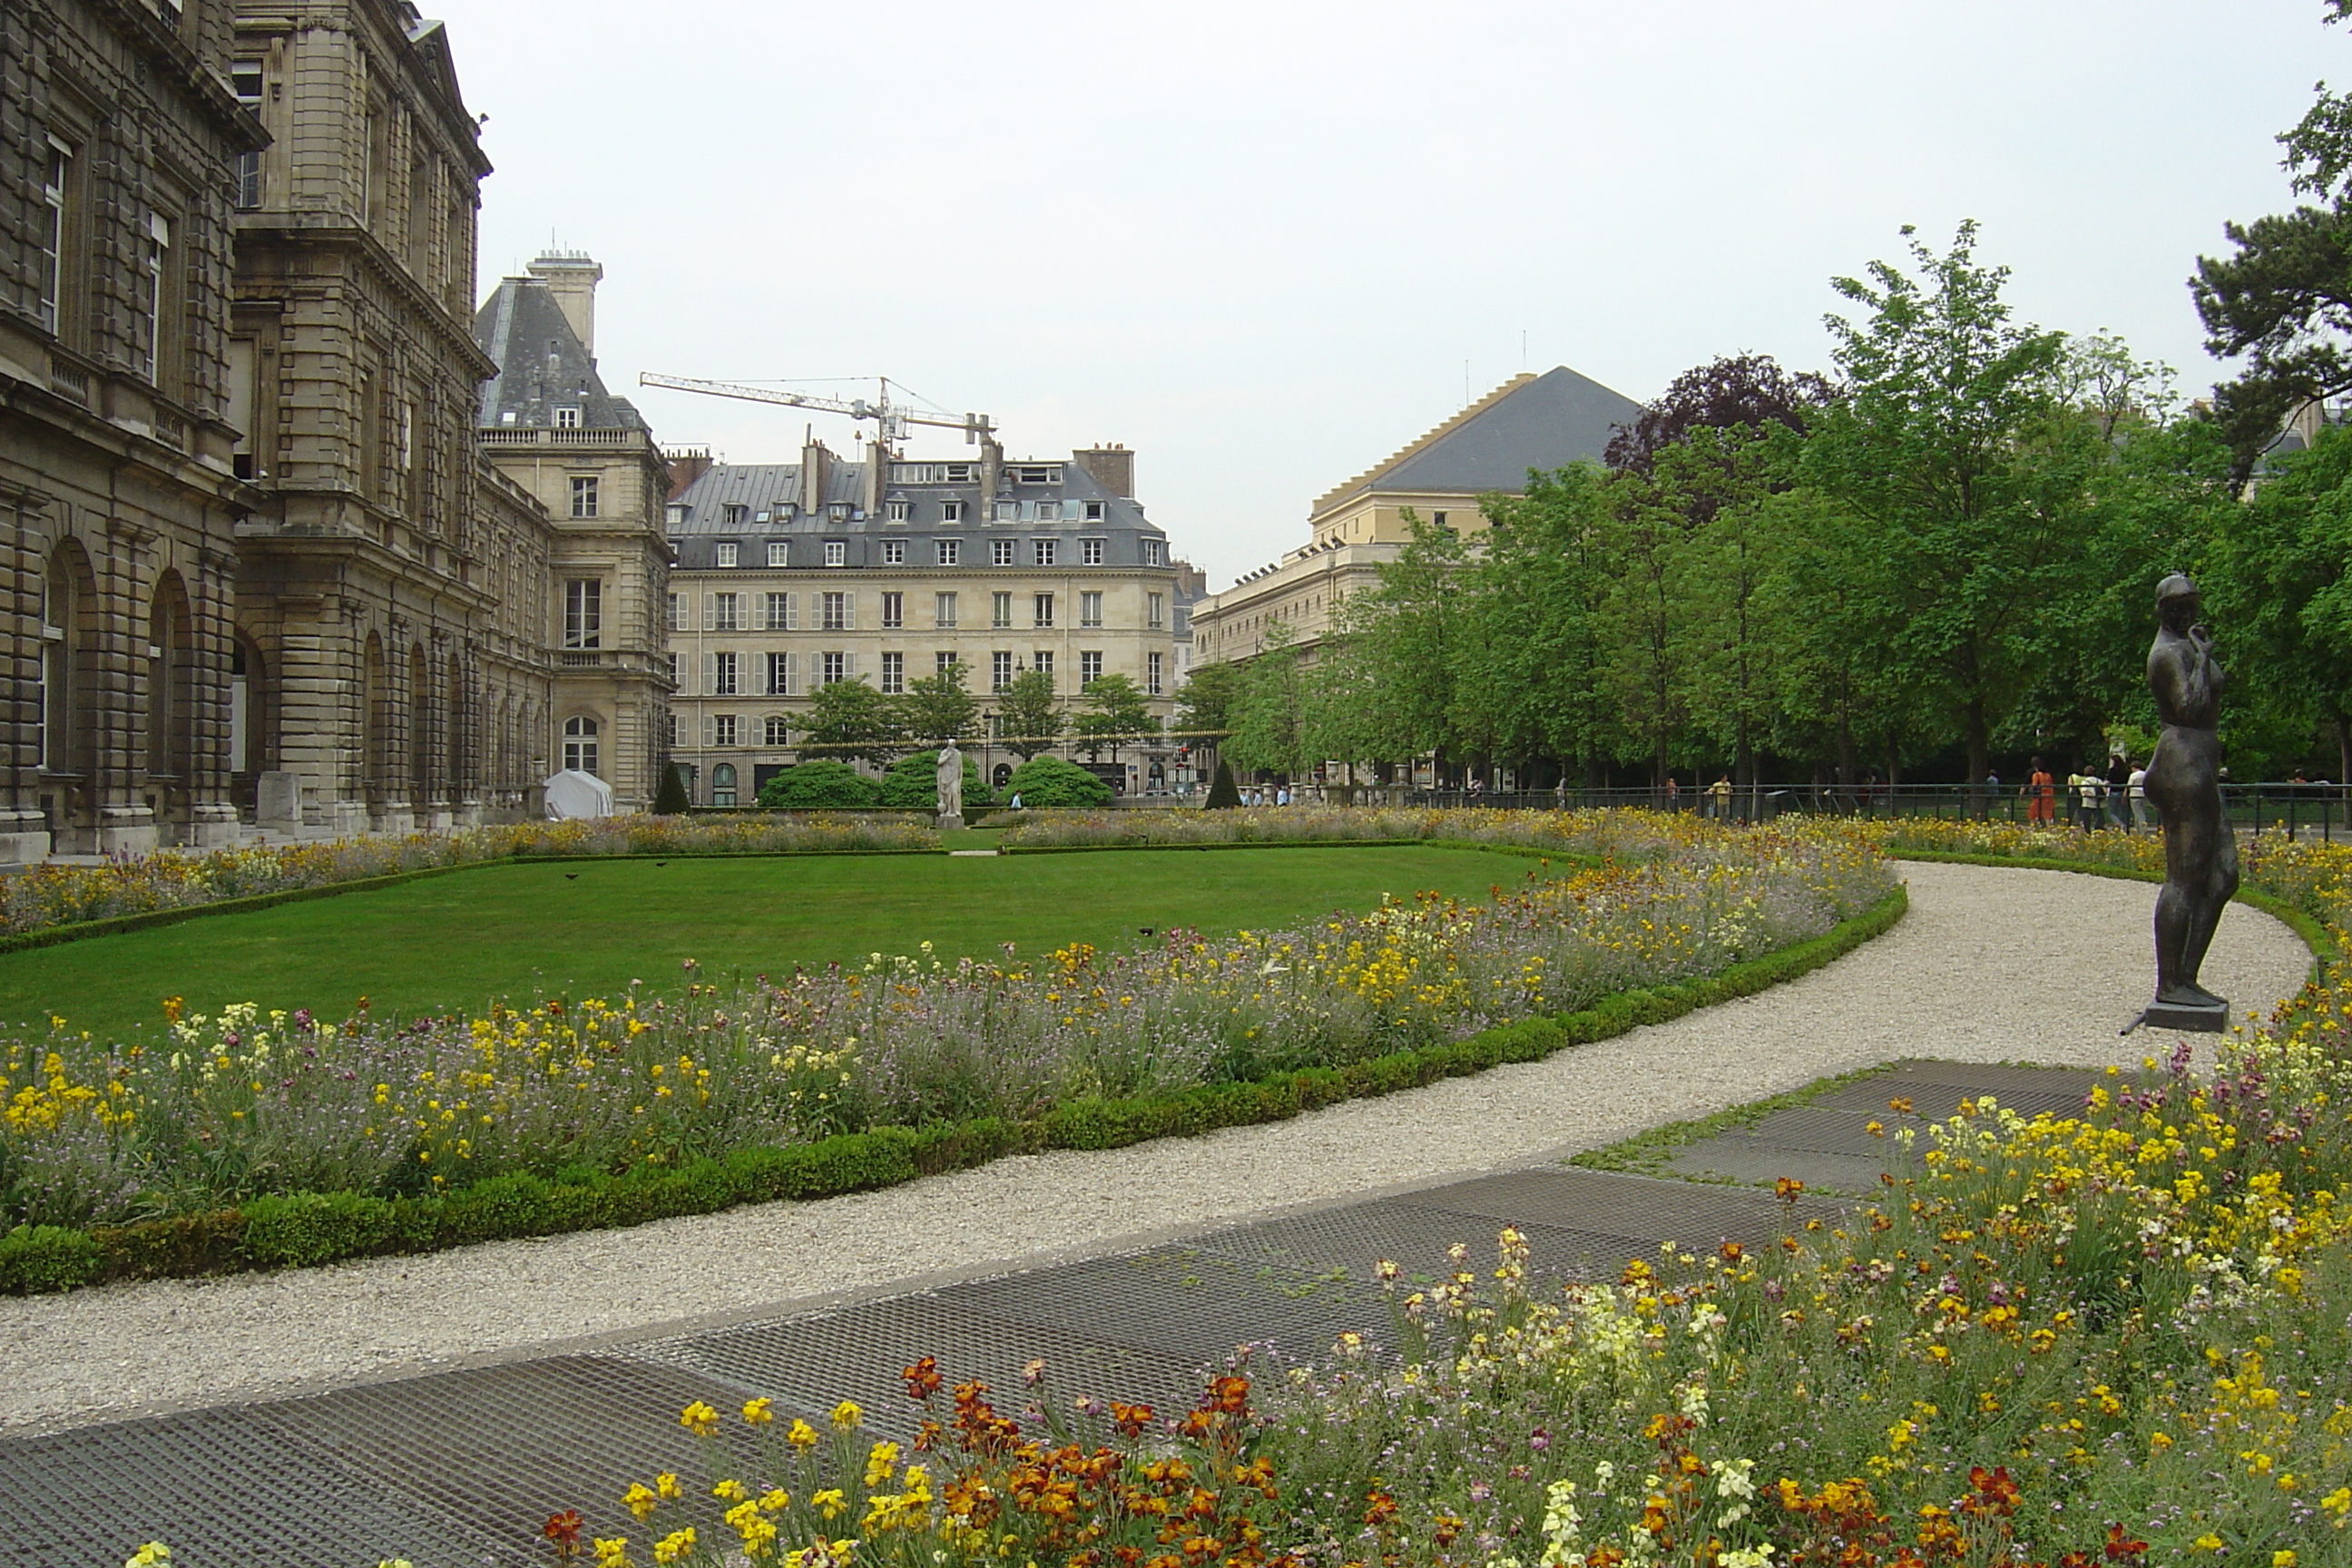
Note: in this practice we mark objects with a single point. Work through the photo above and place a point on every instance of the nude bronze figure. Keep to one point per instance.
(2200, 852)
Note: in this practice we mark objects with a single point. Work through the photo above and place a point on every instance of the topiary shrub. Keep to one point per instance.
(669, 796)
(1222, 791)
(913, 783)
(822, 783)
(1050, 782)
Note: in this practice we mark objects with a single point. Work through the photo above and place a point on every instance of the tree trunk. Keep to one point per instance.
(1980, 753)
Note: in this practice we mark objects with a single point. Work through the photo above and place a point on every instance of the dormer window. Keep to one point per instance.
(893, 512)
(1094, 511)
(736, 514)
(567, 419)
(726, 555)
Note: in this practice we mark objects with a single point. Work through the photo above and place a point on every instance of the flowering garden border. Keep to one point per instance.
(310, 1228)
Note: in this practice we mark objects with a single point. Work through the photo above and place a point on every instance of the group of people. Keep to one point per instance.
(1255, 796)
(2119, 798)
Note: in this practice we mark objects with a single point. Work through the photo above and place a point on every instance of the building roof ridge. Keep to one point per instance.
(1423, 441)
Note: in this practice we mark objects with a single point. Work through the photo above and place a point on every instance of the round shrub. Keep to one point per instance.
(913, 783)
(1049, 781)
(820, 783)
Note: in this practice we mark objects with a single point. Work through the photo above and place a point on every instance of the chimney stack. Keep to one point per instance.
(571, 276)
(1113, 468)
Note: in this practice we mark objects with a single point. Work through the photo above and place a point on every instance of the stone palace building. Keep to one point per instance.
(264, 563)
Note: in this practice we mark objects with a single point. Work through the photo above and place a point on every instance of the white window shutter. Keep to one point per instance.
(791, 612)
(849, 667)
(791, 676)
(849, 611)
(710, 609)
(710, 729)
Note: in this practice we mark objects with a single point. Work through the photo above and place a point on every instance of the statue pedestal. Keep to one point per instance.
(2186, 1015)
(949, 820)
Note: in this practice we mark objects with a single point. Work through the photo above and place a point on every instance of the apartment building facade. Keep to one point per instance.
(785, 581)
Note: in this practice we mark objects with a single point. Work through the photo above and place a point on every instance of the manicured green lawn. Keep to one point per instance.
(587, 928)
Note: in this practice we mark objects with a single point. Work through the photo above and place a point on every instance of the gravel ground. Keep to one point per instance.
(1989, 965)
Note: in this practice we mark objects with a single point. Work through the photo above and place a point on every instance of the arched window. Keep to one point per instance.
(579, 745)
(722, 785)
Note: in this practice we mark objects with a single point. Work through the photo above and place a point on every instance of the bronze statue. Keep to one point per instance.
(2200, 852)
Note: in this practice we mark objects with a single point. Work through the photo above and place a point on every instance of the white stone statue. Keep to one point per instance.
(951, 786)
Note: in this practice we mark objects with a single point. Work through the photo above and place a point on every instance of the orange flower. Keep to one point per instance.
(922, 1378)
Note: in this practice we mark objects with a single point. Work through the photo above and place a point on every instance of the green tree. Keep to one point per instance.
(2284, 298)
(1407, 638)
(1116, 714)
(1536, 623)
(1051, 782)
(851, 721)
(938, 709)
(1027, 719)
(1941, 445)
(2279, 589)
(1209, 697)
(1222, 793)
(669, 796)
(1268, 733)
(818, 783)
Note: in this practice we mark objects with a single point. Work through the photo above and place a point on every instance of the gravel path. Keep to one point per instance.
(1989, 965)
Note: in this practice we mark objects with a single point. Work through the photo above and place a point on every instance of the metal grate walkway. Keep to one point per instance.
(457, 1469)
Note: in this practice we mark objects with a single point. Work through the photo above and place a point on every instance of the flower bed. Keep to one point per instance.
(1622, 833)
(2120, 1337)
(615, 1101)
(53, 896)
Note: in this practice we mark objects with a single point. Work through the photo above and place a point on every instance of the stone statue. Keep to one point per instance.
(951, 787)
(2200, 852)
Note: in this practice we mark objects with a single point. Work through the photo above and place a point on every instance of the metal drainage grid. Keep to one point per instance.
(1647, 1210)
(227, 1490)
(810, 1362)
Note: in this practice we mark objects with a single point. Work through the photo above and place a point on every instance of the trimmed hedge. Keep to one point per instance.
(310, 1228)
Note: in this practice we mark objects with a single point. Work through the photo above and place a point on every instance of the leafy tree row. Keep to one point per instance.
(852, 720)
(1946, 549)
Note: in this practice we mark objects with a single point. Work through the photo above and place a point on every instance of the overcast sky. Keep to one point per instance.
(1268, 244)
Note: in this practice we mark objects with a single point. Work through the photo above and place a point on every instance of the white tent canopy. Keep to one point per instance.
(572, 794)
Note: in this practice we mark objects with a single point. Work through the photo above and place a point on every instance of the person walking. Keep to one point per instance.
(1719, 798)
(2087, 789)
(2039, 792)
(1674, 794)
(2118, 791)
(2138, 786)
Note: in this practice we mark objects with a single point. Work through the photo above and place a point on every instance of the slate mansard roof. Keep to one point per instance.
(543, 365)
(1544, 422)
(749, 504)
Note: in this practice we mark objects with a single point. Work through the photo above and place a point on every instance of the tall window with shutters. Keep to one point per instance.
(836, 612)
(777, 731)
(722, 674)
(780, 675)
(778, 616)
(836, 668)
(723, 729)
(726, 612)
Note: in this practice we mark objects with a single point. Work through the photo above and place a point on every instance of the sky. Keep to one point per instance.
(1266, 245)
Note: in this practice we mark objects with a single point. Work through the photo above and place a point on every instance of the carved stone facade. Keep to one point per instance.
(550, 427)
(118, 140)
(258, 564)
(361, 591)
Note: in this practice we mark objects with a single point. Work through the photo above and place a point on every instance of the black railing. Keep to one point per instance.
(2291, 808)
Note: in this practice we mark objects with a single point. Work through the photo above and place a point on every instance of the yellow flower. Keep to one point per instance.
(731, 1491)
(775, 1500)
(2338, 1502)
(666, 1485)
(699, 1419)
(638, 1500)
(670, 1548)
(847, 1416)
(801, 1434)
(2209, 1541)
(830, 1503)
(756, 1412)
(2283, 1558)
(880, 1463)
(613, 1552)
(154, 1552)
